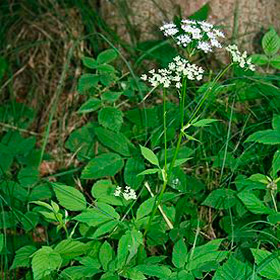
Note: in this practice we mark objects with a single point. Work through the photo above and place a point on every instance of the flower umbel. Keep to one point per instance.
(240, 58)
(127, 194)
(173, 74)
(203, 35)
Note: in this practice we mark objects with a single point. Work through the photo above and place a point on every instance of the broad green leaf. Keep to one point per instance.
(28, 176)
(275, 61)
(128, 247)
(105, 255)
(149, 155)
(105, 68)
(201, 14)
(99, 215)
(44, 262)
(133, 274)
(271, 42)
(90, 105)
(220, 199)
(268, 264)
(145, 208)
(78, 272)
(105, 228)
(107, 56)
(233, 269)
(274, 218)
(259, 59)
(179, 253)
(110, 96)
(89, 62)
(159, 271)
(102, 166)
(87, 81)
(103, 191)
(115, 141)
(253, 204)
(267, 137)
(69, 249)
(259, 178)
(69, 197)
(22, 258)
(132, 168)
(111, 118)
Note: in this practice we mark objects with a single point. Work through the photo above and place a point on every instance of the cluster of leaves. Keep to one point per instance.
(224, 220)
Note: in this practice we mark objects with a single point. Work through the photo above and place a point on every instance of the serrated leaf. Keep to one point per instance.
(69, 249)
(259, 59)
(105, 255)
(253, 204)
(44, 262)
(179, 253)
(159, 271)
(275, 61)
(149, 155)
(107, 56)
(22, 258)
(104, 165)
(269, 263)
(89, 62)
(220, 199)
(105, 68)
(276, 163)
(267, 137)
(271, 42)
(111, 118)
(105, 228)
(69, 197)
(259, 178)
(145, 208)
(89, 106)
(87, 81)
(115, 141)
(133, 168)
(276, 123)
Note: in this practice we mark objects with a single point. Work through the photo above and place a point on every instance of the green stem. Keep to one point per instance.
(164, 128)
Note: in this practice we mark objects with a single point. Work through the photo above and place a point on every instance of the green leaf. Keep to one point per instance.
(103, 191)
(220, 199)
(276, 163)
(271, 42)
(149, 155)
(132, 168)
(204, 122)
(276, 123)
(22, 258)
(1, 241)
(149, 171)
(133, 274)
(259, 178)
(105, 68)
(105, 255)
(99, 215)
(111, 118)
(44, 262)
(145, 208)
(179, 253)
(159, 271)
(107, 56)
(69, 197)
(104, 165)
(128, 246)
(89, 62)
(274, 218)
(269, 264)
(87, 81)
(267, 137)
(253, 204)
(275, 61)
(233, 269)
(78, 272)
(69, 249)
(89, 106)
(114, 141)
(202, 13)
(109, 96)
(259, 59)
(105, 228)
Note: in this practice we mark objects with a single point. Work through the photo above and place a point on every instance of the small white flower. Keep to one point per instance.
(118, 191)
(240, 58)
(129, 193)
(204, 46)
(144, 77)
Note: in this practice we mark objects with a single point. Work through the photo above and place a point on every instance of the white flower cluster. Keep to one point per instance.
(128, 193)
(203, 34)
(173, 74)
(240, 58)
